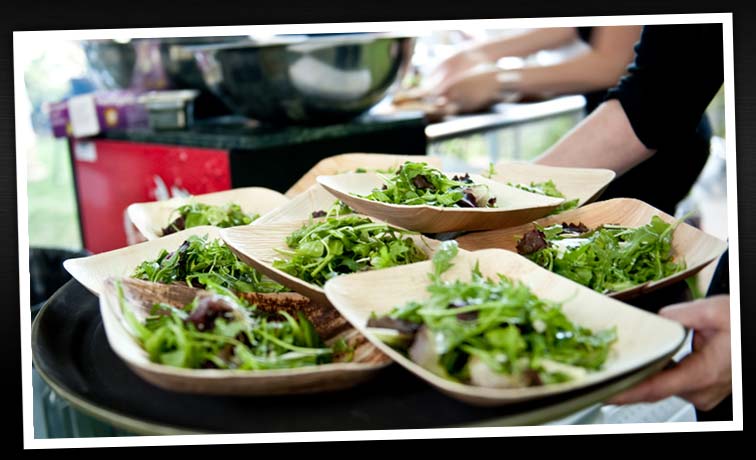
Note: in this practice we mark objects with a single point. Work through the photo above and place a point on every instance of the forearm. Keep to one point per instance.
(605, 139)
(526, 43)
(611, 51)
(589, 72)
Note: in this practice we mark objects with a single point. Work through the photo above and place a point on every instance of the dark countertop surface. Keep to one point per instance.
(232, 132)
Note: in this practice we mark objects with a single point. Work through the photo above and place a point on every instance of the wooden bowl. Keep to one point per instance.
(152, 217)
(694, 246)
(92, 271)
(515, 206)
(642, 337)
(349, 162)
(367, 360)
(301, 207)
(585, 184)
(257, 244)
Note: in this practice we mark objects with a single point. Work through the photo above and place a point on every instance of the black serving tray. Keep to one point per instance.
(71, 352)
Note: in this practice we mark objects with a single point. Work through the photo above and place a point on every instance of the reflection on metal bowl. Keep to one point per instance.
(305, 79)
(153, 64)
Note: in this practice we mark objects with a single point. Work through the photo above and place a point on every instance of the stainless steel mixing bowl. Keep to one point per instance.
(305, 79)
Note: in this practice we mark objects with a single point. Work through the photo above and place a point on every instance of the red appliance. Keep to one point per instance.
(110, 175)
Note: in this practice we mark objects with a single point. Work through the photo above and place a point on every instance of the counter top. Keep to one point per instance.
(232, 132)
(503, 115)
(238, 133)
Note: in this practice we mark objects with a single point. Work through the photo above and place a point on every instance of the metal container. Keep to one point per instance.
(154, 64)
(305, 79)
(170, 109)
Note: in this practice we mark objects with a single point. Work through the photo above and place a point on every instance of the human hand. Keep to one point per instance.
(703, 377)
(455, 66)
(474, 90)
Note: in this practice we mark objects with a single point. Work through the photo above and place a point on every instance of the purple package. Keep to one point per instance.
(91, 114)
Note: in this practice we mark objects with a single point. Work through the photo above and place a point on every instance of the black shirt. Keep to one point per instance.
(685, 153)
(678, 70)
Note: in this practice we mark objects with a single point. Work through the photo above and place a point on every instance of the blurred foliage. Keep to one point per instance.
(716, 113)
(53, 217)
(47, 77)
(521, 142)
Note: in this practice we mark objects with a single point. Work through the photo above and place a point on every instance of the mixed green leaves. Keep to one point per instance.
(607, 259)
(225, 332)
(200, 261)
(548, 188)
(419, 184)
(321, 250)
(338, 208)
(494, 332)
(194, 214)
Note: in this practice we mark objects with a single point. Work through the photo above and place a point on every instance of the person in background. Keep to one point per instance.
(469, 81)
(660, 101)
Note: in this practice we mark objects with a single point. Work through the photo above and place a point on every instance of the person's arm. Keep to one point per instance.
(605, 139)
(492, 50)
(527, 43)
(677, 71)
(611, 50)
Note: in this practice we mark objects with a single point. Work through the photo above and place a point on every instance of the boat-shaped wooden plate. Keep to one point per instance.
(690, 244)
(92, 271)
(350, 162)
(514, 206)
(642, 336)
(585, 184)
(152, 217)
(257, 244)
(301, 207)
(141, 295)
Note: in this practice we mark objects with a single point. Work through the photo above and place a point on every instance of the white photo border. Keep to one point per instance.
(21, 40)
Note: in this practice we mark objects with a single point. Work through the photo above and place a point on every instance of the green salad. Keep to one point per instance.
(222, 331)
(200, 262)
(321, 250)
(491, 332)
(195, 214)
(420, 184)
(607, 259)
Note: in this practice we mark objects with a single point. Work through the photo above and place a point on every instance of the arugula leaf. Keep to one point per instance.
(200, 262)
(442, 258)
(324, 249)
(227, 333)
(195, 214)
(419, 184)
